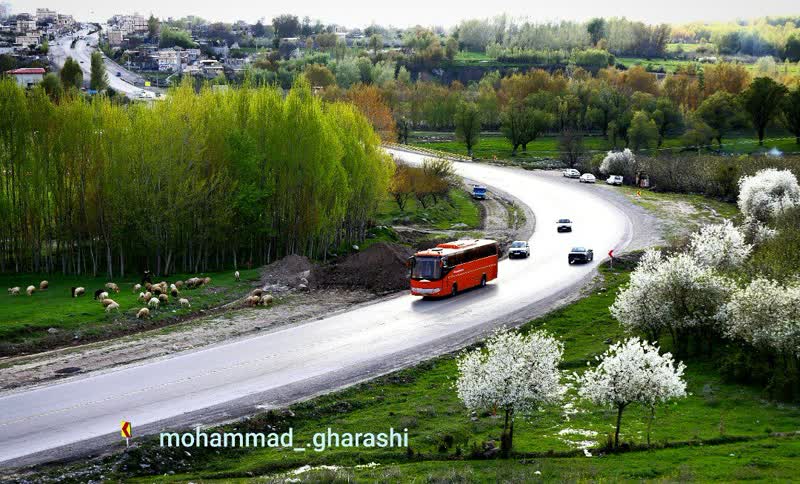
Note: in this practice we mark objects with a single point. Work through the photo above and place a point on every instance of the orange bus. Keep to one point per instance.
(452, 267)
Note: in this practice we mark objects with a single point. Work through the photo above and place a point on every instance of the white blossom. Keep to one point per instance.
(768, 193)
(618, 163)
(515, 373)
(673, 293)
(765, 314)
(757, 232)
(632, 372)
(720, 246)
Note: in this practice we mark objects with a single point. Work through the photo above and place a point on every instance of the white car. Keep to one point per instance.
(564, 225)
(587, 178)
(614, 180)
(571, 173)
(519, 248)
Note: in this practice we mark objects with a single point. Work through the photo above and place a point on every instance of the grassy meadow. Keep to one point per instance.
(26, 320)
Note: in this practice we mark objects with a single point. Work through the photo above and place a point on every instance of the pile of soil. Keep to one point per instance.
(289, 272)
(381, 268)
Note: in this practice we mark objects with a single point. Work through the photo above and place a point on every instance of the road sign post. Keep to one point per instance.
(611, 255)
(125, 431)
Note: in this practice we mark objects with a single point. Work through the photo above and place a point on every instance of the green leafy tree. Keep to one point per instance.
(152, 26)
(286, 26)
(52, 86)
(791, 113)
(451, 48)
(668, 118)
(319, 75)
(597, 29)
(375, 42)
(762, 102)
(99, 76)
(719, 112)
(643, 132)
(71, 74)
(468, 125)
(698, 134)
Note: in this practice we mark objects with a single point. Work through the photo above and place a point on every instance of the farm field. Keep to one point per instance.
(721, 430)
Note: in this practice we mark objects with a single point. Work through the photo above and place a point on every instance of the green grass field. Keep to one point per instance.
(25, 320)
(494, 144)
(720, 431)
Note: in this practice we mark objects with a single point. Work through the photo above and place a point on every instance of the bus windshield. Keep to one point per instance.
(426, 268)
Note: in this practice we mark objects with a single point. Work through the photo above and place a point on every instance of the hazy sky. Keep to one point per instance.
(424, 12)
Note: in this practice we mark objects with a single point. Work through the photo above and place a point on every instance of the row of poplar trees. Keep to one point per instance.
(199, 181)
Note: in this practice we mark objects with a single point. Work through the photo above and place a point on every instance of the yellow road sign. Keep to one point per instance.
(125, 429)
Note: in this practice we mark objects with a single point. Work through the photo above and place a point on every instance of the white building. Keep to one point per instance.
(25, 26)
(27, 39)
(28, 76)
(115, 37)
(169, 60)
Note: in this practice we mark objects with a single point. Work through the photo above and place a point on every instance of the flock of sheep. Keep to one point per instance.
(14, 291)
(153, 295)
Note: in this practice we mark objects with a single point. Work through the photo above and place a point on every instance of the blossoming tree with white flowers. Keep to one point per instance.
(768, 193)
(676, 294)
(514, 373)
(765, 314)
(720, 246)
(632, 372)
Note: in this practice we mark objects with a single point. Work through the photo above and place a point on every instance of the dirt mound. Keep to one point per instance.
(289, 272)
(380, 268)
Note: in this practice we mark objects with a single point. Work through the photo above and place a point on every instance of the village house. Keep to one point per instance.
(27, 76)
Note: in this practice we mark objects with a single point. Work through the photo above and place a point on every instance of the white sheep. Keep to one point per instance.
(236, 276)
(184, 303)
(30, 290)
(141, 297)
(163, 298)
(112, 287)
(107, 302)
(78, 291)
(143, 313)
(112, 307)
(43, 285)
(137, 287)
(266, 300)
(252, 300)
(103, 295)
(153, 302)
(179, 285)
(14, 291)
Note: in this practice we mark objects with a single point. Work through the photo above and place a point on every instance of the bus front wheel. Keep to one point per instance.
(454, 291)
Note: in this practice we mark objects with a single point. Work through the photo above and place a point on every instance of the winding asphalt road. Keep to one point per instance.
(225, 381)
(85, 45)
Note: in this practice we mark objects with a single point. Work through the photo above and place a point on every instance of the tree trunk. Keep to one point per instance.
(620, 408)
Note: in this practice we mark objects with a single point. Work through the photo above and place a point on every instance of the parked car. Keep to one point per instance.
(571, 173)
(614, 180)
(587, 178)
(564, 225)
(580, 254)
(119, 74)
(519, 248)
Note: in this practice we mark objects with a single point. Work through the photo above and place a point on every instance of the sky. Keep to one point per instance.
(402, 13)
